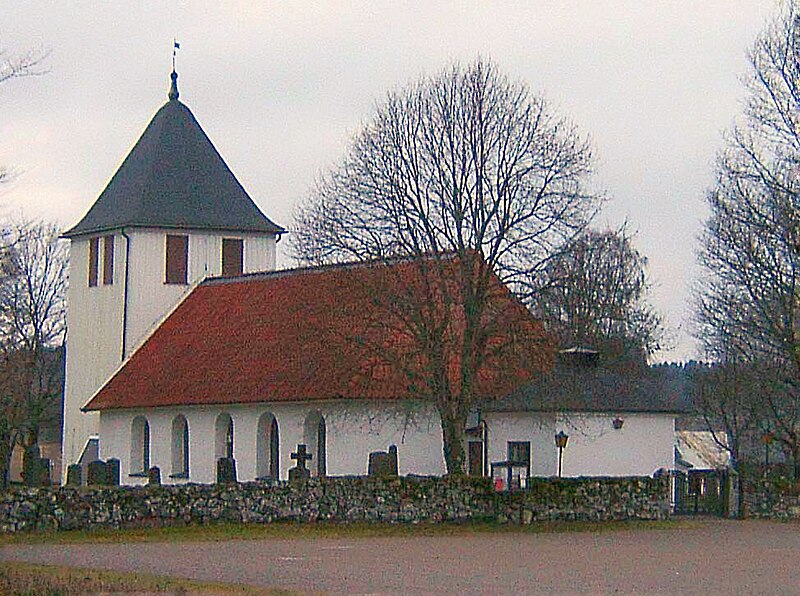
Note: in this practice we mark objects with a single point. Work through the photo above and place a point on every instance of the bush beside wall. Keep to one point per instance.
(340, 499)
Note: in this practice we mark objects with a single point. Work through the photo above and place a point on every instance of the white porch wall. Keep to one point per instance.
(644, 444)
(353, 431)
(538, 428)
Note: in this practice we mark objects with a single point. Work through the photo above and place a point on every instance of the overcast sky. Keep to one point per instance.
(281, 87)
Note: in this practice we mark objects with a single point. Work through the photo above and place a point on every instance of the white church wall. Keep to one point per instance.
(538, 428)
(354, 430)
(150, 298)
(259, 252)
(357, 429)
(644, 444)
(94, 342)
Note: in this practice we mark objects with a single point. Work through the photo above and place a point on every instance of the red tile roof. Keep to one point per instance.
(307, 334)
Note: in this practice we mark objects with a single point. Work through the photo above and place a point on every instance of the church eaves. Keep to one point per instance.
(174, 178)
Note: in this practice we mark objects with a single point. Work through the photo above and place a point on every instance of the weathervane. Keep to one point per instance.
(173, 88)
(175, 47)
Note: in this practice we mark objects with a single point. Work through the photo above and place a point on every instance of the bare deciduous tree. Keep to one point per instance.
(32, 328)
(595, 294)
(464, 164)
(722, 395)
(750, 250)
(27, 64)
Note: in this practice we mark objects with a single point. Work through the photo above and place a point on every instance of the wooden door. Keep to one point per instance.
(475, 458)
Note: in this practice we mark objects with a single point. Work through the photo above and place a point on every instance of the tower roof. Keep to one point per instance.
(174, 178)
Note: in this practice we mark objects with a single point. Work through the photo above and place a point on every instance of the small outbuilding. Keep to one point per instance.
(586, 419)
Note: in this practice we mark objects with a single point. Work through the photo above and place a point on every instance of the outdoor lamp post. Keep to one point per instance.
(561, 442)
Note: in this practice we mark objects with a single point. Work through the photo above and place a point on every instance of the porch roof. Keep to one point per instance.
(598, 389)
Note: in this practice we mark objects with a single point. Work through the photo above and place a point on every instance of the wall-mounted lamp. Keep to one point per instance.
(617, 423)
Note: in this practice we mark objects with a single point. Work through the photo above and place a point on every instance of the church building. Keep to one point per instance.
(186, 347)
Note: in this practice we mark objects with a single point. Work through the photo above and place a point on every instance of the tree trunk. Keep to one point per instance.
(796, 461)
(452, 438)
(740, 514)
(739, 473)
(5, 457)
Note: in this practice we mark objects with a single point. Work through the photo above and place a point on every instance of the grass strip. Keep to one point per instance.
(326, 530)
(28, 579)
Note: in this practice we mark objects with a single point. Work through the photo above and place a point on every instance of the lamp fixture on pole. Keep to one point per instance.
(561, 443)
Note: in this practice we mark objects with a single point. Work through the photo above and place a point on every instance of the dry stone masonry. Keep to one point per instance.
(341, 499)
(768, 499)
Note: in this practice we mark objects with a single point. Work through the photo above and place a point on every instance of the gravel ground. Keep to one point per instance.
(713, 557)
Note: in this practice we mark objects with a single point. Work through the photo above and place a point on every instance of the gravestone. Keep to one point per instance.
(32, 471)
(31, 466)
(96, 473)
(112, 472)
(382, 463)
(226, 470)
(300, 472)
(44, 472)
(74, 475)
(154, 476)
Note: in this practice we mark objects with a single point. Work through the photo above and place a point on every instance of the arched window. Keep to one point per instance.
(315, 437)
(180, 447)
(140, 446)
(223, 442)
(267, 445)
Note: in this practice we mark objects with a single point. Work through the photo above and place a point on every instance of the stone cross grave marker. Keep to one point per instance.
(300, 472)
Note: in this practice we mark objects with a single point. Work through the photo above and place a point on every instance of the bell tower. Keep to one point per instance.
(172, 215)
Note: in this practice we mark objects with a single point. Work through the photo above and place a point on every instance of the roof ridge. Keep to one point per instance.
(312, 269)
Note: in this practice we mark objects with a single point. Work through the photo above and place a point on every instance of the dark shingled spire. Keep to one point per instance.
(174, 178)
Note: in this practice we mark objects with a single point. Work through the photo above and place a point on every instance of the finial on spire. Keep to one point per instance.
(173, 88)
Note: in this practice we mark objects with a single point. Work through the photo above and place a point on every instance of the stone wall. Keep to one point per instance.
(342, 499)
(588, 499)
(768, 499)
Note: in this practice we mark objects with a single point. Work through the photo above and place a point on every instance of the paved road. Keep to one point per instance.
(715, 557)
